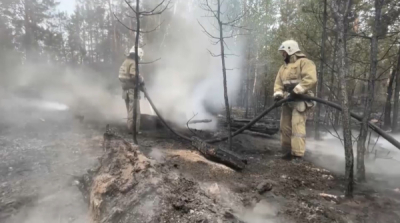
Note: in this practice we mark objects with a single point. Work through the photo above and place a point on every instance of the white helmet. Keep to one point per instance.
(290, 47)
(140, 52)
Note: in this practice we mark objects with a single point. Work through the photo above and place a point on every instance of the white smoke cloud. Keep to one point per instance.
(188, 75)
(185, 79)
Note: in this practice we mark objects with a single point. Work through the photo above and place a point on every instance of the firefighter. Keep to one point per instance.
(298, 75)
(127, 75)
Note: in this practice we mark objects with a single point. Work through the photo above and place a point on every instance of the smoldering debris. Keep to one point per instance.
(144, 190)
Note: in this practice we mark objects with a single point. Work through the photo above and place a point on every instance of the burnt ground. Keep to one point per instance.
(41, 155)
(42, 159)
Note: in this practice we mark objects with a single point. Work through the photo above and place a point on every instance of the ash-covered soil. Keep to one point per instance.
(55, 169)
(42, 153)
(172, 182)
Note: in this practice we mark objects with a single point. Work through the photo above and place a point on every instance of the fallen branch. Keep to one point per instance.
(257, 134)
(329, 197)
(200, 121)
(187, 124)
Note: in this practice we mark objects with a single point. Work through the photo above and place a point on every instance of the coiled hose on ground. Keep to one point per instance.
(371, 125)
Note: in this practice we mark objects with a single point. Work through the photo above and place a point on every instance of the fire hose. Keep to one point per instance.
(371, 125)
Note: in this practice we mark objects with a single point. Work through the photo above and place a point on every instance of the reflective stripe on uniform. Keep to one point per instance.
(299, 135)
(278, 93)
(288, 82)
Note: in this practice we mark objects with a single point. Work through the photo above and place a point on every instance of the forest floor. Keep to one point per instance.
(43, 157)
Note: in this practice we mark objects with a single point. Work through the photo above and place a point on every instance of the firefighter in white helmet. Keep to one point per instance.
(127, 77)
(298, 75)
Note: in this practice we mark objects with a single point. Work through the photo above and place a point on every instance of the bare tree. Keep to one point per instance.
(341, 9)
(361, 147)
(321, 72)
(157, 10)
(217, 14)
(396, 96)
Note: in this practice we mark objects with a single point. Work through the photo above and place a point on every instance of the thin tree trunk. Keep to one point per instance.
(388, 105)
(341, 10)
(265, 96)
(240, 100)
(136, 93)
(370, 95)
(255, 95)
(255, 92)
(221, 35)
(337, 113)
(396, 96)
(246, 115)
(321, 74)
(247, 85)
(28, 37)
(333, 112)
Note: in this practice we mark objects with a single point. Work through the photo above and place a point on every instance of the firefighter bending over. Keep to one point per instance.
(127, 75)
(297, 76)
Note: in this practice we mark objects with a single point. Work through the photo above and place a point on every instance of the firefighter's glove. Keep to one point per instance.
(293, 96)
(278, 97)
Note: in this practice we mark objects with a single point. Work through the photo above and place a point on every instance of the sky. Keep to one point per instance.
(67, 5)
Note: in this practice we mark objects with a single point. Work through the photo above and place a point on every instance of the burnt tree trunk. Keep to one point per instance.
(321, 75)
(341, 10)
(260, 127)
(221, 36)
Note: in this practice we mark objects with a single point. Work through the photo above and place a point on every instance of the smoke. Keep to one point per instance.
(188, 79)
(62, 206)
(157, 155)
(83, 91)
(382, 161)
(261, 212)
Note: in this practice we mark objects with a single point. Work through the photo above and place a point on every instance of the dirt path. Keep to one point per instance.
(40, 153)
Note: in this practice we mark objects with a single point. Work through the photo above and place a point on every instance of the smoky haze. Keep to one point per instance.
(81, 91)
(185, 81)
(382, 161)
(188, 79)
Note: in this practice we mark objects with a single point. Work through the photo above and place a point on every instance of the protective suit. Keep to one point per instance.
(127, 76)
(297, 76)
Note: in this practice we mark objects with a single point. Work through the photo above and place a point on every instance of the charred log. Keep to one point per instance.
(256, 134)
(262, 127)
(218, 154)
